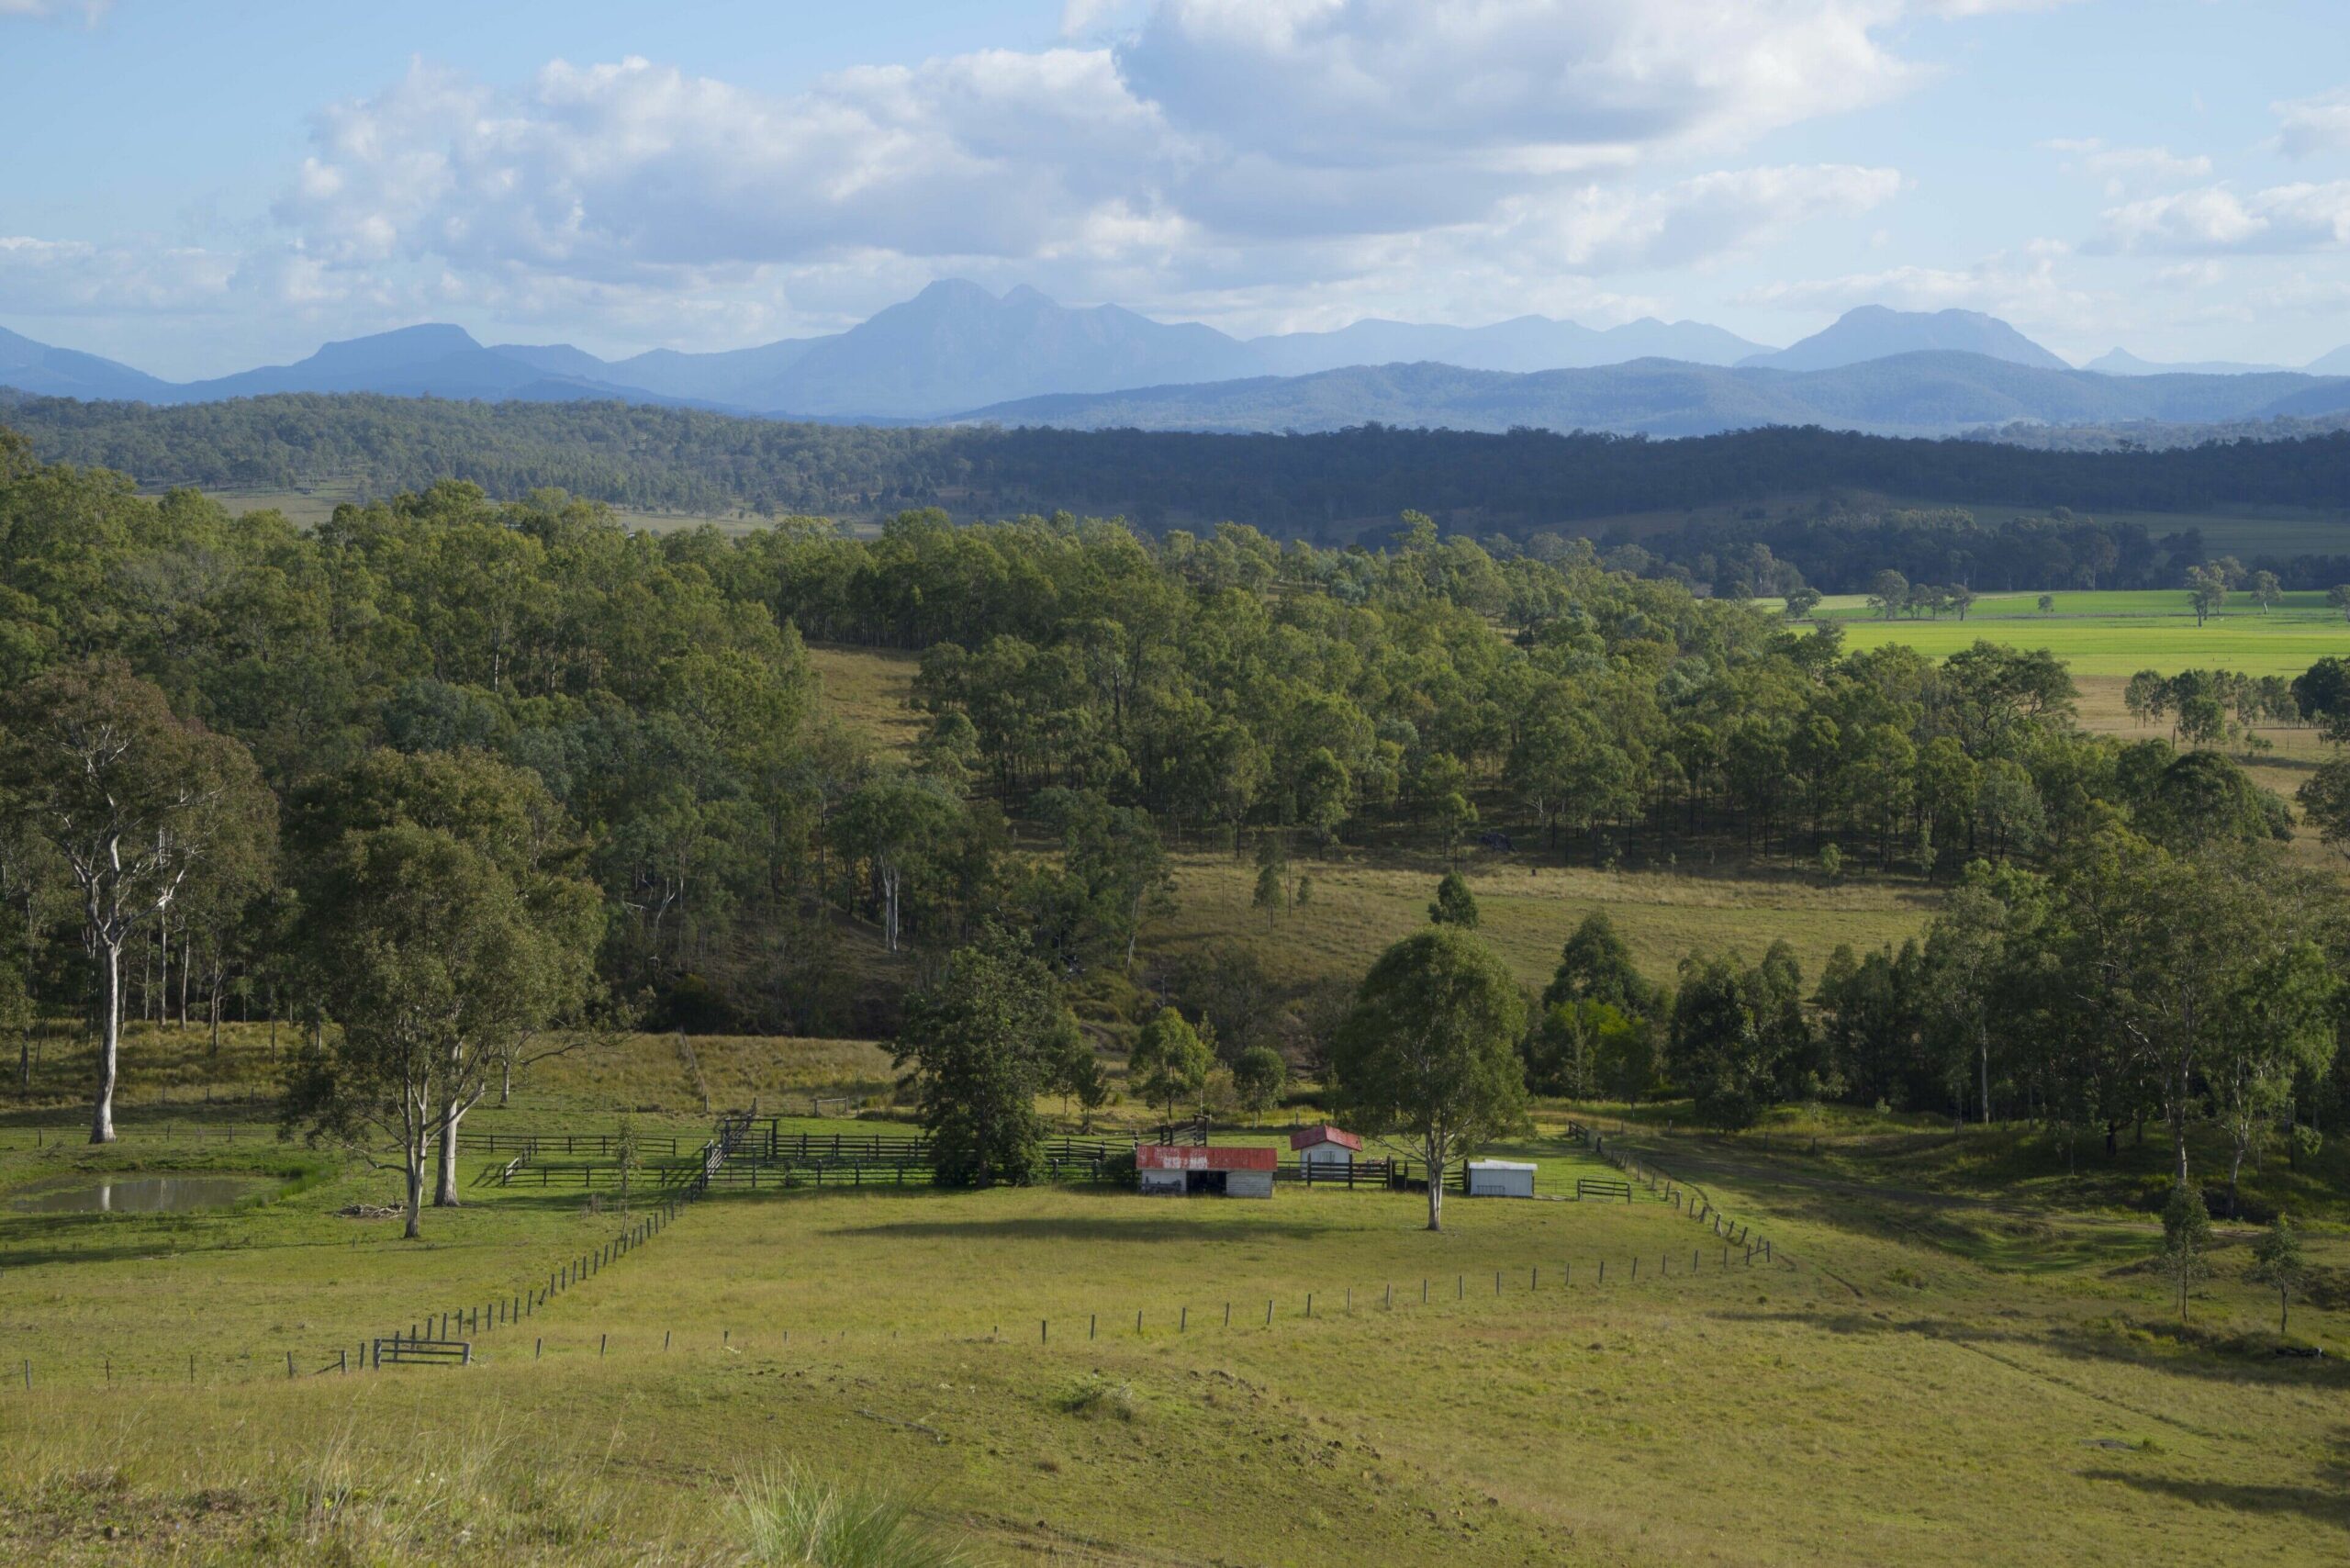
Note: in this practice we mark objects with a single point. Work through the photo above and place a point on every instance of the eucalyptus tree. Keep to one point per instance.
(134, 801)
(1428, 1059)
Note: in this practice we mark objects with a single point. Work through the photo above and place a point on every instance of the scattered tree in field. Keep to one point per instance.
(976, 1042)
(1259, 1075)
(1427, 1061)
(504, 815)
(1170, 1062)
(1831, 862)
(2187, 1242)
(1889, 593)
(2207, 591)
(2047, 604)
(1455, 904)
(133, 800)
(2277, 1262)
(431, 961)
(1801, 602)
(2265, 590)
(2338, 595)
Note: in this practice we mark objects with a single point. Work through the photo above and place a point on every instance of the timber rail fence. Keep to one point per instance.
(448, 1336)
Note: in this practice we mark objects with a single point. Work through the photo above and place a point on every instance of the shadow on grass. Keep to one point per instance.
(2153, 1348)
(2325, 1507)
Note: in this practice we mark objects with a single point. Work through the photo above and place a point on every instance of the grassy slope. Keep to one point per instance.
(1924, 1352)
(1364, 898)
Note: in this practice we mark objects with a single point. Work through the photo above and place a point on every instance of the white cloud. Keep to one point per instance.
(89, 13)
(1308, 142)
(2319, 124)
(2025, 284)
(58, 277)
(2128, 170)
(1608, 230)
(2216, 220)
(1349, 82)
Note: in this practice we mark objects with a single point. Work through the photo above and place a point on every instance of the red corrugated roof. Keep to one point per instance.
(1190, 1156)
(1307, 1137)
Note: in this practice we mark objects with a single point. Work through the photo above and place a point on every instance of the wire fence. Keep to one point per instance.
(450, 1335)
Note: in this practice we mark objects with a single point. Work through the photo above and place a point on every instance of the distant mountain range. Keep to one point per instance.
(1931, 393)
(1871, 332)
(956, 353)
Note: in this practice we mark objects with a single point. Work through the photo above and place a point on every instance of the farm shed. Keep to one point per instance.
(1178, 1170)
(1500, 1179)
(1324, 1145)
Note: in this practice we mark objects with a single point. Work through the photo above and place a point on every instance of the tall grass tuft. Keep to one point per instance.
(794, 1520)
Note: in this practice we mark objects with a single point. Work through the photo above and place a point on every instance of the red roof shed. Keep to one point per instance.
(1184, 1156)
(1307, 1137)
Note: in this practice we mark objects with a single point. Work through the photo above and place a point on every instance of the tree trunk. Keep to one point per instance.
(1436, 1195)
(444, 1191)
(417, 1154)
(109, 1039)
(1985, 1050)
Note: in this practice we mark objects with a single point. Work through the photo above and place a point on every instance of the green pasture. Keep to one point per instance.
(2117, 634)
(1079, 1373)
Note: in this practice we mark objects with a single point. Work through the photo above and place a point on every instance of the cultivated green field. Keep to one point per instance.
(2118, 633)
(1946, 1316)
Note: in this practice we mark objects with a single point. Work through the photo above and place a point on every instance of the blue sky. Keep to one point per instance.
(213, 187)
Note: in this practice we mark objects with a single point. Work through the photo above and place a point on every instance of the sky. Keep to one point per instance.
(195, 188)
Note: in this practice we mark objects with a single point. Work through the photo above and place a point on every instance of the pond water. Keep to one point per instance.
(135, 1194)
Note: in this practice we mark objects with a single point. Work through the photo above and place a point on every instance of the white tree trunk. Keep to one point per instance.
(416, 1152)
(444, 1191)
(109, 1039)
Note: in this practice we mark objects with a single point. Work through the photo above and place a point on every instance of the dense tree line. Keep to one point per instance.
(1320, 485)
(2123, 983)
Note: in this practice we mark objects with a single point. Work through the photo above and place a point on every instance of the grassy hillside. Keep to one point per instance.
(980, 1354)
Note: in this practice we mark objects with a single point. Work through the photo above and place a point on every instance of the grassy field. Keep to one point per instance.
(2119, 633)
(1946, 1317)
(1362, 902)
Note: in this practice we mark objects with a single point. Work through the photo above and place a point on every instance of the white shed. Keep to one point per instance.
(1500, 1179)
(1324, 1145)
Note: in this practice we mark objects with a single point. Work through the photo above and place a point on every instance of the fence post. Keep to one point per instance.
(1269, 1314)
(603, 1343)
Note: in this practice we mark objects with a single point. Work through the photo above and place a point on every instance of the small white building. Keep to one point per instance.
(1324, 1145)
(1500, 1179)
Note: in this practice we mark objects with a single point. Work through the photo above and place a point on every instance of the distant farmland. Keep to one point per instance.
(2118, 633)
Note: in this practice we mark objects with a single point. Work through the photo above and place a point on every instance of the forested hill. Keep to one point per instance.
(1312, 486)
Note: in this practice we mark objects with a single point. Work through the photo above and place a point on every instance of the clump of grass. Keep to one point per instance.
(347, 1503)
(1097, 1398)
(797, 1521)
